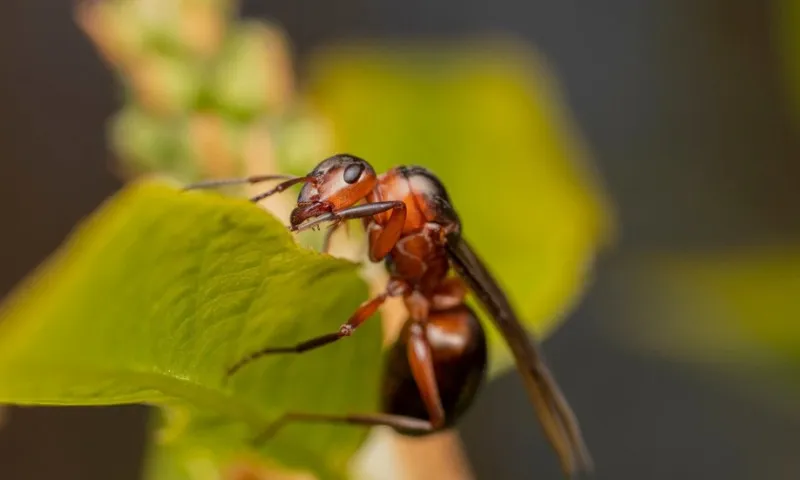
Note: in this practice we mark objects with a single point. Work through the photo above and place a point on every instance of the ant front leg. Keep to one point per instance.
(366, 310)
(383, 238)
(326, 241)
(380, 244)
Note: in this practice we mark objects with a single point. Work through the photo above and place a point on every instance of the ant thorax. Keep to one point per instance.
(424, 196)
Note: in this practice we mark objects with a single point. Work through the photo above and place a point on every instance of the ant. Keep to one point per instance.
(437, 365)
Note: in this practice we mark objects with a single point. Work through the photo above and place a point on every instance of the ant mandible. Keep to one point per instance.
(437, 364)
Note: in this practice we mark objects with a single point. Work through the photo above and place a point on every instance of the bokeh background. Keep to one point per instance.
(686, 109)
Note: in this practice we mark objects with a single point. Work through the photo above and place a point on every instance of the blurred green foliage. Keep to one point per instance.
(199, 86)
(159, 292)
(486, 118)
(732, 307)
(733, 311)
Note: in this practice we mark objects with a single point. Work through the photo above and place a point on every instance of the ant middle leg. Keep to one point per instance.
(366, 310)
(326, 241)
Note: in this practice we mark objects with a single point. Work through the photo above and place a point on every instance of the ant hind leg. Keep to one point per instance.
(398, 422)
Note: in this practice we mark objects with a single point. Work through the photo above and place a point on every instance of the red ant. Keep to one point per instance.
(437, 365)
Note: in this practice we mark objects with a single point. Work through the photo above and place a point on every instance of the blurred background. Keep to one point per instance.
(681, 358)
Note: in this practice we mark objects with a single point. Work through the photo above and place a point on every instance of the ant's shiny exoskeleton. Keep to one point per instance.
(437, 364)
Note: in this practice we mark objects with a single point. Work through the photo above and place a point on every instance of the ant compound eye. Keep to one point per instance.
(353, 172)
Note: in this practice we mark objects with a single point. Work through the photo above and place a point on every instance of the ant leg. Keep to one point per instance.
(382, 239)
(366, 310)
(401, 422)
(236, 181)
(421, 361)
(326, 241)
(359, 211)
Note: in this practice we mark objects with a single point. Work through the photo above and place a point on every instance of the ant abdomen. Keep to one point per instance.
(458, 347)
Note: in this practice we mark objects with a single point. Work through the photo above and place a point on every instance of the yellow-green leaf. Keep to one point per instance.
(161, 290)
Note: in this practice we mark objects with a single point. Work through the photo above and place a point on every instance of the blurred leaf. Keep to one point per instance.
(115, 28)
(147, 143)
(166, 86)
(251, 75)
(185, 148)
(734, 312)
(735, 307)
(158, 292)
(301, 139)
(183, 27)
(486, 119)
(127, 31)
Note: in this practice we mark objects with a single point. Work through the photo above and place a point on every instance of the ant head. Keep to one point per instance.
(338, 182)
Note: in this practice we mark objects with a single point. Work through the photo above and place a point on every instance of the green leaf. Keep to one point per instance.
(159, 291)
(487, 120)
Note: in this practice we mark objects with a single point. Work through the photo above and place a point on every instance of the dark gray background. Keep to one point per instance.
(682, 106)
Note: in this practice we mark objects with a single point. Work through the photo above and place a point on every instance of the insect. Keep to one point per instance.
(437, 365)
